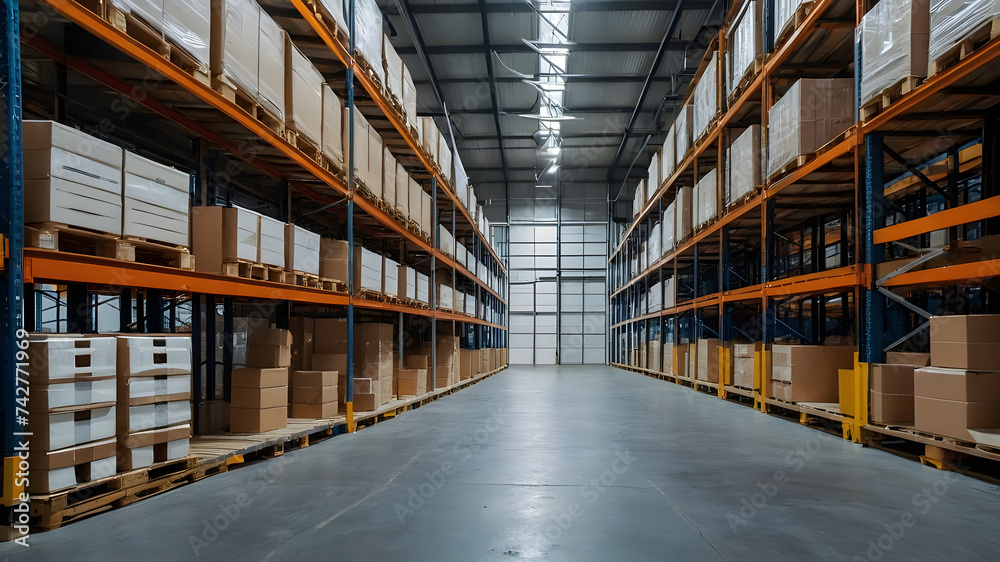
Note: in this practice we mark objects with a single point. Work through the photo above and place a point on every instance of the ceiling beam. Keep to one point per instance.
(570, 79)
(475, 49)
(493, 98)
(578, 7)
(527, 110)
(671, 28)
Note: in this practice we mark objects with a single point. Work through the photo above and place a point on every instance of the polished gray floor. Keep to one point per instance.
(564, 463)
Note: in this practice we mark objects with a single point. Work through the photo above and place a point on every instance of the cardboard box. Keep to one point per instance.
(893, 379)
(365, 402)
(272, 242)
(892, 409)
(223, 234)
(234, 43)
(248, 420)
(957, 384)
(302, 331)
(811, 113)
(314, 379)
(417, 361)
(966, 342)
(72, 428)
(271, 336)
(258, 398)
(954, 418)
(708, 360)
(325, 410)
(262, 355)
(66, 358)
(314, 394)
(411, 382)
(330, 362)
(334, 255)
(915, 359)
(260, 378)
(271, 67)
(303, 95)
(56, 470)
(743, 371)
(808, 373)
(466, 364)
(402, 196)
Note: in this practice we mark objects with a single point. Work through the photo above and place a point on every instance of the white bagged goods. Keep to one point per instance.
(71, 177)
(271, 66)
(156, 201)
(706, 98)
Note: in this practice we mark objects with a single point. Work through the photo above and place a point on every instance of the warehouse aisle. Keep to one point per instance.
(562, 463)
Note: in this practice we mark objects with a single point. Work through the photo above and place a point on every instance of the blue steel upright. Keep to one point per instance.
(12, 211)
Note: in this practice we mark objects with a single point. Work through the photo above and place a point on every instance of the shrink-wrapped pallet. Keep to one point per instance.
(682, 217)
(668, 229)
(706, 98)
(368, 35)
(668, 156)
(743, 169)
(894, 36)
(952, 20)
(683, 132)
(746, 43)
(706, 202)
(811, 113)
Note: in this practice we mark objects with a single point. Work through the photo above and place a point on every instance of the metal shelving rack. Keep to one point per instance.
(852, 176)
(304, 177)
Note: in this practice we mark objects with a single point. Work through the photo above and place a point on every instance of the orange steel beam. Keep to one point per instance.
(824, 281)
(985, 55)
(841, 149)
(448, 262)
(952, 274)
(122, 87)
(799, 36)
(445, 315)
(57, 267)
(712, 229)
(331, 42)
(970, 212)
(97, 26)
(698, 149)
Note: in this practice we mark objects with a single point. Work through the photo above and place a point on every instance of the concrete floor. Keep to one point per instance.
(564, 463)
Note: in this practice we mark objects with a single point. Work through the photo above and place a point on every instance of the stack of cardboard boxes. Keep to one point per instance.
(448, 370)
(260, 391)
(71, 414)
(808, 373)
(329, 352)
(154, 399)
(959, 395)
(891, 398)
(743, 364)
(313, 394)
(422, 365)
(707, 360)
(373, 366)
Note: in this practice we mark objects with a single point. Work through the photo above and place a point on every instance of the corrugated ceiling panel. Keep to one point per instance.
(451, 29)
(618, 27)
(459, 66)
(611, 63)
(510, 28)
(618, 94)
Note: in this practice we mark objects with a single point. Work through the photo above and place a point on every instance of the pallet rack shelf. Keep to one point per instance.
(944, 131)
(184, 102)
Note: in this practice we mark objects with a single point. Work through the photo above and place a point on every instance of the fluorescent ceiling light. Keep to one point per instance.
(547, 118)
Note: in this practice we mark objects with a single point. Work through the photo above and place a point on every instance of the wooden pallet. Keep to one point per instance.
(747, 79)
(247, 102)
(247, 270)
(60, 237)
(792, 166)
(335, 168)
(888, 96)
(330, 22)
(302, 279)
(972, 42)
(304, 145)
(369, 71)
(794, 23)
(142, 250)
(53, 510)
(334, 285)
(368, 294)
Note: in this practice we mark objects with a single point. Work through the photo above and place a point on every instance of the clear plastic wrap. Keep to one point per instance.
(409, 98)
(149, 11)
(393, 69)
(375, 162)
(235, 38)
(368, 31)
(682, 132)
(952, 20)
(389, 167)
(335, 8)
(706, 198)
(444, 156)
(303, 95)
(706, 98)
(682, 214)
(639, 199)
(894, 36)
(655, 177)
(784, 15)
(655, 245)
(743, 165)
(187, 24)
(669, 230)
(811, 113)
(271, 66)
(655, 298)
(745, 44)
(333, 127)
(668, 158)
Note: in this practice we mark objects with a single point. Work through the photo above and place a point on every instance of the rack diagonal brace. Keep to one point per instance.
(916, 172)
(915, 331)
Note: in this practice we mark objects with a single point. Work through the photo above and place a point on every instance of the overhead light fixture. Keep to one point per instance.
(548, 118)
